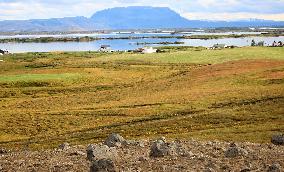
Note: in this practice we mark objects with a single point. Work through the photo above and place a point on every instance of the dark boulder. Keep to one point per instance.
(115, 140)
(103, 165)
(235, 151)
(278, 139)
(97, 152)
(161, 148)
(274, 168)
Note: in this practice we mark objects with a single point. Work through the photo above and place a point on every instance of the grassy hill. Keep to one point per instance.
(81, 97)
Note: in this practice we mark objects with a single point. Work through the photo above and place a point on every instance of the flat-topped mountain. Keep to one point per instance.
(139, 17)
(134, 17)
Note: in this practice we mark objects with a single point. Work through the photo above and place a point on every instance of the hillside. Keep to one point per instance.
(125, 18)
(200, 100)
(56, 24)
(230, 95)
(139, 18)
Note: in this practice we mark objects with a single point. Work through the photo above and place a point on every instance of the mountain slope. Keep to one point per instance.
(125, 18)
(55, 24)
(139, 17)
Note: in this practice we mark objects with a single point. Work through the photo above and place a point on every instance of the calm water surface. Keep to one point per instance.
(126, 44)
(117, 35)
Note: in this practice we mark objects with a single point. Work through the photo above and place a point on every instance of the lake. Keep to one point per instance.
(128, 44)
(118, 34)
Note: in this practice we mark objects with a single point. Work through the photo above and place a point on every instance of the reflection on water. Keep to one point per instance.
(128, 44)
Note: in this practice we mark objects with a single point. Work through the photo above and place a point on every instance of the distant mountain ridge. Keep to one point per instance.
(139, 17)
(134, 17)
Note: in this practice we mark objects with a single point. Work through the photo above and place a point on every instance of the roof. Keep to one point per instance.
(148, 47)
(105, 46)
(219, 45)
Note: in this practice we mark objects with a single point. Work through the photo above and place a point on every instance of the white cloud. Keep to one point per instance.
(233, 16)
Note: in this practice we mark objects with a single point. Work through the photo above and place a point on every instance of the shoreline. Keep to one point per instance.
(91, 39)
(162, 48)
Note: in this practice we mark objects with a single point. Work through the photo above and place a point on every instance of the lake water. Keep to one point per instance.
(117, 35)
(127, 44)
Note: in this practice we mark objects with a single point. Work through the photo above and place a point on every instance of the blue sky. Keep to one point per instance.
(191, 9)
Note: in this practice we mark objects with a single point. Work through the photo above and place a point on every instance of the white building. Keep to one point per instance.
(148, 50)
(2, 52)
(105, 48)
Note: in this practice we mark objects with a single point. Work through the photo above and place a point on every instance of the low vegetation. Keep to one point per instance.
(90, 38)
(185, 92)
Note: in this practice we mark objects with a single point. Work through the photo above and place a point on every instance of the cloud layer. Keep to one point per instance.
(192, 9)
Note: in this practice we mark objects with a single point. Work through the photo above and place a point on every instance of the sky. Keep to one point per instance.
(191, 9)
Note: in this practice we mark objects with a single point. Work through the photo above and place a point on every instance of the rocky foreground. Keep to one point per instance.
(118, 154)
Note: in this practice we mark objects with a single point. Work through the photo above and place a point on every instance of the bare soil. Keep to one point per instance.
(201, 156)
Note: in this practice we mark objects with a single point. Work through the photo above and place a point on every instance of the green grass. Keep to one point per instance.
(81, 97)
(39, 80)
(38, 77)
(197, 55)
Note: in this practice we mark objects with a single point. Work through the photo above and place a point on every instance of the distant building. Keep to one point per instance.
(105, 48)
(2, 52)
(253, 43)
(148, 50)
(218, 46)
(260, 44)
(277, 44)
(139, 50)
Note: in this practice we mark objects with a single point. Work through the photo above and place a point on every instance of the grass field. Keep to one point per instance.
(81, 97)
